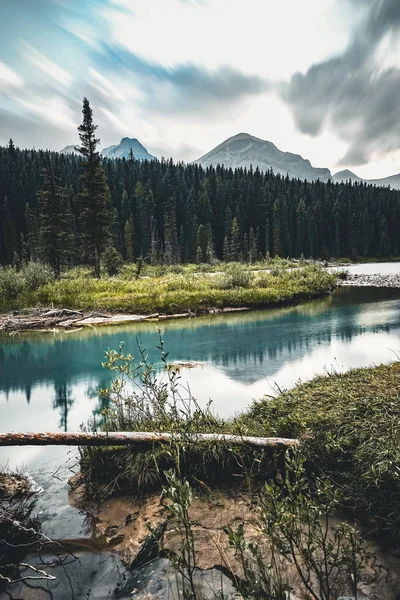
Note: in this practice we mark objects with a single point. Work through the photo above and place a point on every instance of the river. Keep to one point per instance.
(50, 382)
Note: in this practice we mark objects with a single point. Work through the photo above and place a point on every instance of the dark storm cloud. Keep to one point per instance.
(352, 92)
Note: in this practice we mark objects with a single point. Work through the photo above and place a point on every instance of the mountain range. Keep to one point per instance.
(346, 175)
(245, 150)
(121, 150)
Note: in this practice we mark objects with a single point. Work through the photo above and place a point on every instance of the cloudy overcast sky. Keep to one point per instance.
(317, 77)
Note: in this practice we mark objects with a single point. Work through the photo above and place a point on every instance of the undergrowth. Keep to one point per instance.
(178, 289)
(350, 424)
(143, 399)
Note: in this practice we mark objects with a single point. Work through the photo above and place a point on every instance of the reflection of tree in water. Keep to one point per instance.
(63, 400)
(28, 393)
(245, 348)
(93, 391)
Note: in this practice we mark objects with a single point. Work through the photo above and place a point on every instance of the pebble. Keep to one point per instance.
(378, 280)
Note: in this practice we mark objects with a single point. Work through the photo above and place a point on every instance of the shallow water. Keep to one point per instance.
(50, 382)
(371, 268)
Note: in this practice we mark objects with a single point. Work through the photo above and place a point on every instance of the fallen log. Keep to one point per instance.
(121, 438)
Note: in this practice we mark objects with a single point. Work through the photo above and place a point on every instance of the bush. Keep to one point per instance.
(15, 285)
(236, 275)
(10, 286)
(35, 274)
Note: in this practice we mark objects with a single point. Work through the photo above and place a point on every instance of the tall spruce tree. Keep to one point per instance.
(94, 200)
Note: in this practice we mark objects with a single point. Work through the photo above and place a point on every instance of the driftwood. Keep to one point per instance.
(120, 438)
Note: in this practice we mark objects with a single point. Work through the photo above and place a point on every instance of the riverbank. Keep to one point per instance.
(348, 424)
(80, 300)
(391, 280)
(124, 522)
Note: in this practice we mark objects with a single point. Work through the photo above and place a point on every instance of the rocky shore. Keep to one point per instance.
(391, 280)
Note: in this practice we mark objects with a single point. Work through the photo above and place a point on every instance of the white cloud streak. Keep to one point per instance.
(8, 79)
(47, 66)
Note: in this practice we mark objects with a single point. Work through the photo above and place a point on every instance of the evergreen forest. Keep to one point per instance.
(67, 209)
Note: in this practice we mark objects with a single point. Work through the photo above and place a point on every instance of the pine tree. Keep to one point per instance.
(384, 238)
(199, 255)
(245, 248)
(9, 233)
(301, 229)
(171, 243)
(226, 252)
(235, 240)
(32, 233)
(129, 240)
(201, 243)
(253, 250)
(54, 230)
(210, 254)
(95, 197)
(276, 231)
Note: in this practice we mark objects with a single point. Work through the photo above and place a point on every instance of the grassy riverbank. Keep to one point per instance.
(168, 290)
(351, 430)
(349, 424)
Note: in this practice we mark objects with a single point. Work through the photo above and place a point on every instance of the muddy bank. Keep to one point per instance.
(373, 280)
(124, 522)
(65, 319)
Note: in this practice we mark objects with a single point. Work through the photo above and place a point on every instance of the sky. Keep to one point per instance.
(320, 78)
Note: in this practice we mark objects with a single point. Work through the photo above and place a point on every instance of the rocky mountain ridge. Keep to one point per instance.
(245, 150)
(121, 150)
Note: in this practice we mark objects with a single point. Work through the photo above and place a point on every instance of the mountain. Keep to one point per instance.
(69, 150)
(243, 150)
(123, 149)
(120, 150)
(393, 180)
(345, 175)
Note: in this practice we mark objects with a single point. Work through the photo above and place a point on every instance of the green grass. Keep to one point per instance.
(350, 424)
(173, 292)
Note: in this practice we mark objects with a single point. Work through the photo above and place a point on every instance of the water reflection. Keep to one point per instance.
(63, 400)
(240, 352)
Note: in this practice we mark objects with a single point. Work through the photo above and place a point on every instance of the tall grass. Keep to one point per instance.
(169, 293)
(350, 424)
(142, 399)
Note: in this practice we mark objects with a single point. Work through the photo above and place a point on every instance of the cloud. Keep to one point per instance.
(353, 92)
(48, 67)
(8, 79)
(185, 88)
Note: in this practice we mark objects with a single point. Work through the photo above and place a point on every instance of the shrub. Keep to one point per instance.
(236, 275)
(35, 274)
(15, 284)
(10, 286)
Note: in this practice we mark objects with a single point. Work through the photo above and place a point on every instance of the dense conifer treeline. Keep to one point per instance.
(166, 212)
